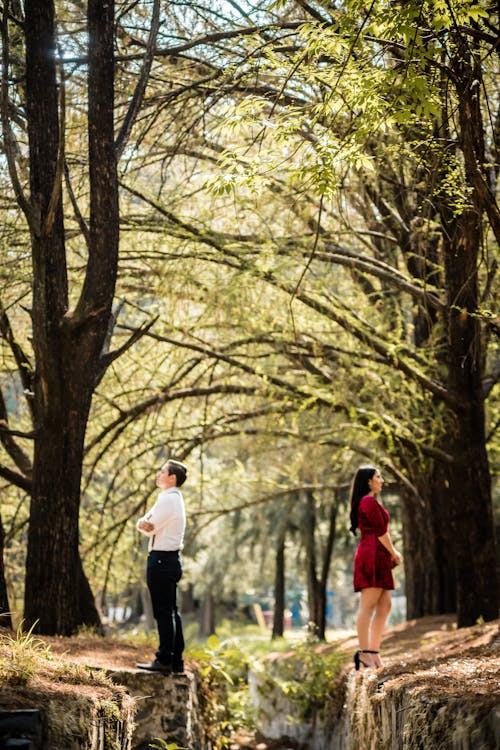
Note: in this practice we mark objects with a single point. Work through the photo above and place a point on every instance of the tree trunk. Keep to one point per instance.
(5, 617)
(148, 608)
(308, 534)
(317, 587)
(279, 587)
(428, 546)
(207, 621)
(88, 614)
(443, 582)
(325, 570)
(67, 343)
(470, 484)
(53, 599)
(471, 515)
(189, 604)
(458, 567)
(470, 488)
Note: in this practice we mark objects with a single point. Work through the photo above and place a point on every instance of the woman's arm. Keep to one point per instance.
(385, 540)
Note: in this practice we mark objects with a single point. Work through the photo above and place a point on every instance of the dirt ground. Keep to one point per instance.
(428, 654)
(409, 645)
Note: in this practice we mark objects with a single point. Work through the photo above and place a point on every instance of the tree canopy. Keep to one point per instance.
(304, 281)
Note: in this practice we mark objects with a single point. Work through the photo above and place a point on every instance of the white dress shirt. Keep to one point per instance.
(168, 517)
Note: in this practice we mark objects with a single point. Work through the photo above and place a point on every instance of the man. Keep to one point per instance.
(164, 524)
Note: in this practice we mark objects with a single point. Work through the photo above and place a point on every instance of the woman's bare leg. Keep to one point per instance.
(367, 606)
(382, 609)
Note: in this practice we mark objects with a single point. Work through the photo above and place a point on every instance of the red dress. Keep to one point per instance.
(372, 561)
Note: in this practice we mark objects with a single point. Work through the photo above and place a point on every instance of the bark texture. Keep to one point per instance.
(68, 344)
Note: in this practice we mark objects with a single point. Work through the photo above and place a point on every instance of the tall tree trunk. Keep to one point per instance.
(67, 343)
(443, 582)
(207, 620)
(5, 617)
(470, 484)
(279, 586)
(189, 605)
(317, 586)
(428, 545)
(325, 570)
(308, 534)
(470, 487)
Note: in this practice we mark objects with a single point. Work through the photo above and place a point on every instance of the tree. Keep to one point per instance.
(317, 585)
(337, 197)
(68, 342)
(5, 616)
(411, 216)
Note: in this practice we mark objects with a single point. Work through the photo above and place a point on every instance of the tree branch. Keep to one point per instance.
(24, 483)
(140, 88)
(9, 141)
(24, 366)
(54, 202)
(108, 358)
(20, 458)
(165, 397)
(200, 41)
(78, 214)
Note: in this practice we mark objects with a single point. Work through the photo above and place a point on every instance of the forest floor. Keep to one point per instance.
(428, 653)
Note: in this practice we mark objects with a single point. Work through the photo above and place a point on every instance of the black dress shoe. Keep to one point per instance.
(156, 666)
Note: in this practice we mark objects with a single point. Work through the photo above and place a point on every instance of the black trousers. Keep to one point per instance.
(164, 571)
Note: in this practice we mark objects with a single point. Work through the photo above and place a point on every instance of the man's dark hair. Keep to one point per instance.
(179, 469)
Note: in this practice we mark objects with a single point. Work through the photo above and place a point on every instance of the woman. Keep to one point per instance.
(373, 561)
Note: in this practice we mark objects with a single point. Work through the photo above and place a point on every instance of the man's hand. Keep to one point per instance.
(146, 526)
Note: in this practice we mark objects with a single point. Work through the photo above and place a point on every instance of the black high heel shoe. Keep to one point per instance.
(358, 661)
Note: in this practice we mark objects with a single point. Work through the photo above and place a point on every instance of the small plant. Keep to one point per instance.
(166, 745)
(309, 678)
(224, 689)
(22, 653)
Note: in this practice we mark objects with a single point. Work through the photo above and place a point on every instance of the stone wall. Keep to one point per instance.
(167, 707)
(380, 714)
(140, 708)
(398, 715)
(66, 719)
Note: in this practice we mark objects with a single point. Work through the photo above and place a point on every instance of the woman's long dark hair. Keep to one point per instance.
(359, 488)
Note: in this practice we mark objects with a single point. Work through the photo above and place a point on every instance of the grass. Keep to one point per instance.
(24, 657)
(20, 656)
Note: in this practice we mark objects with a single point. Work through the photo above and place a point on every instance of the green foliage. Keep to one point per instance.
(225, 660)
(216, 656)
(308, 677)
(213, 689)
(354, 111)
